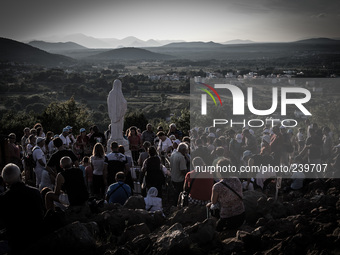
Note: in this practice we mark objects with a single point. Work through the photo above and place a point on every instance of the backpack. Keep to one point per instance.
(29, 161)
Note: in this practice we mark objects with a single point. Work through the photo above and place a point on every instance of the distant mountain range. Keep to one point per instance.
(130, 54)
(319, 41)
(14, 51)
(55, 47)
(95, 43)
(197, 45)
(238, 41)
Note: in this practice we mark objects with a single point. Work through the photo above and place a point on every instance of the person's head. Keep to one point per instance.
(312, 132)
(283, 130)
(211, 129)
(224, 162)
(82, 131)
(238, 138)
(11, 174)
(266, 131)
(69, 129)
(152, 192)
(132, 131)
(199, 142)
(172, 127)
(149, 127)
(57, 142)
(186, 139)
(176, 143)
(114, 146)
(152, 151)
(146, 145)
(231, 133)
(49, 135)
(40, 131)
(172, 138)
(121, 149)
(276, 130)
(246, 155)
(120, 177)
(33, 131)
(26, 131)
(65, 131)
(315, 126)
(40, 141)
(218, 142)
(32, 139)
(159, 128)
(204, 139)
(161, 135)
(326, 130)
(246, 133)
(37, 125)
(86, 160)
(12, 138)
(95, 129)
(98, 150)
(66, 162)
(183, 148)
(220, 151)
(198, 161)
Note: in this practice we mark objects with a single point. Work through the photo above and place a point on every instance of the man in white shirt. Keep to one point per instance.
(40, 160)
(164, 144)
(64, 136)
(179, 169)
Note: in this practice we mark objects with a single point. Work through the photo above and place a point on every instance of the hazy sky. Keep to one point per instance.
(190, 20)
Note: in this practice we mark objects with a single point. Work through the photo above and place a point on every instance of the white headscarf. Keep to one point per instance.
(152, 202)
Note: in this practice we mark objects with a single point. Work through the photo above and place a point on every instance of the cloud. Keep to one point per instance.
(321, 15)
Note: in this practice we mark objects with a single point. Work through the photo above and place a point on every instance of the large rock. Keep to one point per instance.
(188, 216)
(173, 241)
(232, 245)
(78, 213)
(250, 198)
(251, 242)
(202, 233)
(74, 238)
(135, 202)
(133, 231)
(140, 245)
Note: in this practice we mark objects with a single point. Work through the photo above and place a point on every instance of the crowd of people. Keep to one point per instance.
(67, 169)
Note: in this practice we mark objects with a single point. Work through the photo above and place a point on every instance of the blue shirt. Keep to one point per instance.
(118, 192)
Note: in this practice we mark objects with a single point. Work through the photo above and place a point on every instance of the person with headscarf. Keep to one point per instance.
(152, 202)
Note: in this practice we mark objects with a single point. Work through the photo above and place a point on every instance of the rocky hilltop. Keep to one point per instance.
(298, 223)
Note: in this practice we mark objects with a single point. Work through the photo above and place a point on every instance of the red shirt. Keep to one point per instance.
(135, 142)
(201, 188)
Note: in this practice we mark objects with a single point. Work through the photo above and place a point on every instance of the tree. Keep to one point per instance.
(15, 122)
(183, 121)
(137, 119)
(57, 115)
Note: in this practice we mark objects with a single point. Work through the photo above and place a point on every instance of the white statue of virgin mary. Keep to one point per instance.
(117, 107)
